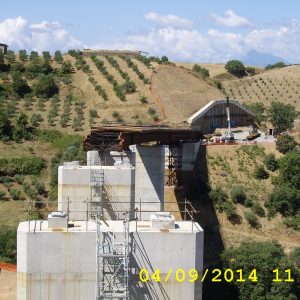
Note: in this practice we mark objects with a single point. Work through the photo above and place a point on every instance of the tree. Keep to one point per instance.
(263, 257)
(282, 115)
(1, 57)
(164, 59)
(65, 69)
(20, 130)
(236, 67)
(289, 170)
(201, 70)
(46, 55)
(58, 57)
(259, 109)
(285, 143)
(10, 56)
(45, 86)
(285, 200)
(33, 55)
(5, 125)
(19, 85)
(22, 55)
(271, 162)
(17, 67)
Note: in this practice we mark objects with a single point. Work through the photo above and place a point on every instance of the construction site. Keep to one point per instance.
(109, 213)
(119, 219)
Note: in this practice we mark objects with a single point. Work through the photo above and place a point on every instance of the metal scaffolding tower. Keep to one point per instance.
(174, 176)
(112, 252)
(112, 263)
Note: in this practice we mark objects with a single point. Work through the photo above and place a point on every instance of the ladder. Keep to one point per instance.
(112, 251)
(112, 263)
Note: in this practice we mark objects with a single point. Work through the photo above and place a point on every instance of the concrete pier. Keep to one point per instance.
(61, 264)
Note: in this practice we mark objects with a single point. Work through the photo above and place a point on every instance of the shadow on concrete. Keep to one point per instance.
(196, 186)
(139, 259)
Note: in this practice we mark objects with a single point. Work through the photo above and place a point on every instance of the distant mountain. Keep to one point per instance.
(259, 59)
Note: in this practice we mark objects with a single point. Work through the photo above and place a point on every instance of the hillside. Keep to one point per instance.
(184, 98)
(91, 90)
(99, 89)
(272, 85)
(230, 166)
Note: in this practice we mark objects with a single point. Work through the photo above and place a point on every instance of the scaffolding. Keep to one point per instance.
(112, 252)
(113, 262)
(174, 176)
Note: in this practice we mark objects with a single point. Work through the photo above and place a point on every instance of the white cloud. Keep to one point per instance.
(18, 34)
(231, 19)
(169, 20)
(184, 44)
(47, 26)
(178, 43)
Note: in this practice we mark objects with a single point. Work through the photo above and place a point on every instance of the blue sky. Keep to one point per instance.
(183, 30)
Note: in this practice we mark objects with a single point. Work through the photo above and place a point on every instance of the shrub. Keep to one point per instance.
(229, 209)
(251, 71)
(2, 195)
(252, 219)
(258, 210)
(218, 196)
(201, 70)
(293, 222)
(285, 143)
(155, 118)
(32, 193)
(8, 244)
(295, 254)
(143, 99)
(218, 84)
(279, 64)
(19, 178)
(15, 194)
(93, 113)
(40, 187)
(27, 165)
(237, 194)
(151, 111)
(271, 162)
(260, 173)
(36, 119)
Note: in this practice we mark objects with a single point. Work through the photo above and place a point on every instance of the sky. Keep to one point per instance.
(192, 30)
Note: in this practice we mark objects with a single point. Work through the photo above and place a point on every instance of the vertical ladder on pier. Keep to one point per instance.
(113, 261)
(112, 251)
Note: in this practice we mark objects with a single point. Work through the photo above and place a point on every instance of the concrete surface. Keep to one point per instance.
(61, 265)
(149, 178)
